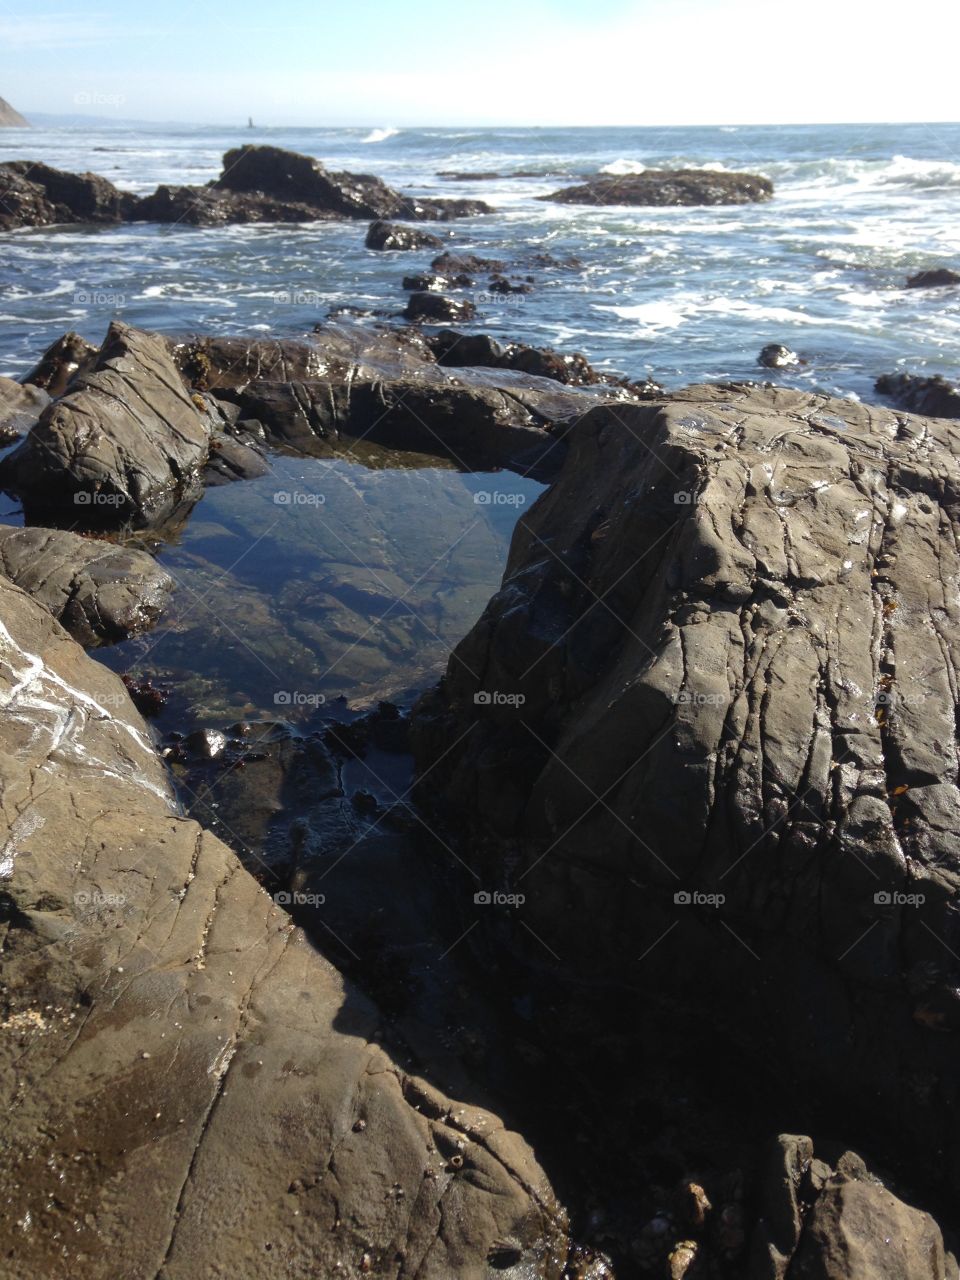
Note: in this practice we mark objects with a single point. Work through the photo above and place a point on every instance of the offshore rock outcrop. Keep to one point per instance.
(668, 186)
(258, 184)
(708, 727)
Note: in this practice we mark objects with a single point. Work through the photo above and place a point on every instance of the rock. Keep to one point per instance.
(718, 690)
(124, 445)
(668, 186)
(776, 356)
(99, 592)
(388, 235)
(20, 407)
(501, 284)
(459, 350)
(934, 396)
(198, 1091)
(234, 456)
(934, 278)
(428, 281)
(475, 417)
(267, 184)
(33, 194)
(333, 351)
(436, 308)
(455, 264)
(64, 358)
(10, 119)
(821, 1223)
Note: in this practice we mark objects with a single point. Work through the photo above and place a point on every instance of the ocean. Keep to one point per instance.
(680, 294)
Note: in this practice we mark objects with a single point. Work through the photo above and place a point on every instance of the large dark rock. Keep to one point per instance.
(668, 186)
(194, 1089)
(457, 264)
(389, 235)
(935, 396)
(437, 308)
(124, 445)
(933, 278)
(776, 356)
(33, 194)
(713, 738)
(268, 184)
(99, 592)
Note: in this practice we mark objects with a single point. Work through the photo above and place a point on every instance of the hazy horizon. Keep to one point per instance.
(659, 63)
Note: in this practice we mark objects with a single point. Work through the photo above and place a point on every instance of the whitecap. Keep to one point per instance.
(380, 135)
(623, 167)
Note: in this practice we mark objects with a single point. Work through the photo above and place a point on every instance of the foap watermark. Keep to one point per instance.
(695, 898)
(694, 698)
(686, 498)
(497, 898)
(294, 898)
(88, 498)
(294, 698)
(497, 498)
(494, 698)
(96, 98)
(297, 498)
(508, 298)
(894, 898)
(297, 298)
(99, 298)
(94, 898)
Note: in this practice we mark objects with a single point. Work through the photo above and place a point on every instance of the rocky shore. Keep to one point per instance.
(627, 950)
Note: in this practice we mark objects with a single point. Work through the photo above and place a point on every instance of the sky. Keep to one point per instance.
(492, 62)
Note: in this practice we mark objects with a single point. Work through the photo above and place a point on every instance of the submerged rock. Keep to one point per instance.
(125, 444)
(933, 278)
(456, 264)
(99, 592)
(388, 235)
(718, 691)
(935, 396)
(198, 1090)
(666, 187)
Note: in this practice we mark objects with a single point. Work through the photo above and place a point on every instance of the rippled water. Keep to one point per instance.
(684, 294)
(331, 578)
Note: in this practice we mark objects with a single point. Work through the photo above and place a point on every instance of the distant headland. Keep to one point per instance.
(10, 119)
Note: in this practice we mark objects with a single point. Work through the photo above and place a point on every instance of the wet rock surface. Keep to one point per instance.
(121, 1152)
(125, 444)
(99, 592)
(437, 308)
(33, 194)
(64, 358)
(666, 187)
(716, 721)
(389, 235)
